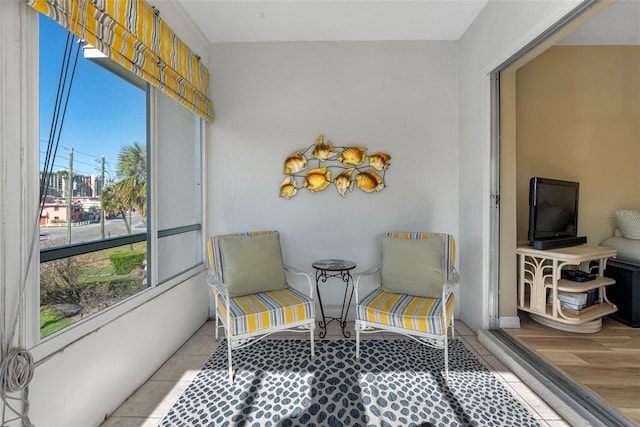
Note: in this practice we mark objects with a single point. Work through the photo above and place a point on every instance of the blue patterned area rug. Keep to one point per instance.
(396, 383)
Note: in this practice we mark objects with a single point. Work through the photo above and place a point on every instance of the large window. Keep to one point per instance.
(179, 195)
(108, 231)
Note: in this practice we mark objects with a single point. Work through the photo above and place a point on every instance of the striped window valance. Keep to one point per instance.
(131, 33)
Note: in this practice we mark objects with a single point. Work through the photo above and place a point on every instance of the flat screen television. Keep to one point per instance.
(553, 213)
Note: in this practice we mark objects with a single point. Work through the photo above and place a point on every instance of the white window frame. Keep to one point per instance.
(45, 347)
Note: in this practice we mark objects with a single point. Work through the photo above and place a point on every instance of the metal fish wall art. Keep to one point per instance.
(344, 182)
(296, 162)
(353, 156)
(317, 179)
(349, 164)
(323, 152)
(369, 181)
(288, 188)
(379, 161)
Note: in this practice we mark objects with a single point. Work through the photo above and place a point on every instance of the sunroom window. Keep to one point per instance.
(105, 136)
(179, 195)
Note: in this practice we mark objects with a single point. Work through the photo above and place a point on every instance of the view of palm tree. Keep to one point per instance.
(131, 188)
(114, 206)
(129, 192)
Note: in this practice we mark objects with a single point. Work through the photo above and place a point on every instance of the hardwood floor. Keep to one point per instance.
(606, 363)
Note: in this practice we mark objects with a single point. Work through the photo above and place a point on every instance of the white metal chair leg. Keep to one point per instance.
(217, 316)
(446, 358)
(357, 343)
(230, 362)
(313, 351)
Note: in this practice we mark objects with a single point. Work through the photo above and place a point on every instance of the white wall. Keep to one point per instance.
(271, 99)
(91, 377)
(502, 28)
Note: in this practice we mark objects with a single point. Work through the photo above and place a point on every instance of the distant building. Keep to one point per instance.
(83, 185)
(82, 209)
(54, 213)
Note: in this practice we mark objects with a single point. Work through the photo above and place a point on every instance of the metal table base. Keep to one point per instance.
(341, 269)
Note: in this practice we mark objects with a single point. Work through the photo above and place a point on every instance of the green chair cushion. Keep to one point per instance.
(252, 264)
(413, 266)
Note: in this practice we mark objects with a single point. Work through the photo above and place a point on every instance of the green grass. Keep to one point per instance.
(125, 286)
(51, 321)
(97, 273)
(92, 275)
(102, 269)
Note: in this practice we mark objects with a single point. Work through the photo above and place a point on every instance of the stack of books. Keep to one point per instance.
(576, 302)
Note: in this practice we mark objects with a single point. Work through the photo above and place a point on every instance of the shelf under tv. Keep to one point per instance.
(563, 242)
(588, 321)
(539, 280)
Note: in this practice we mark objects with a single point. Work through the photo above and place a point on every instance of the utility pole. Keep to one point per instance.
(70, 190)
(101, 190)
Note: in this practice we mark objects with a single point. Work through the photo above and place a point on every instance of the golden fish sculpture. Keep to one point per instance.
(369, 181)
(344, 182)
(317, 179)
(323, 151)
(288, 188)
(353, 156)
(379, 161)
(295, 163)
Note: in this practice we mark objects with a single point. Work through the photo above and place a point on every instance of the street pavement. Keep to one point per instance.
(57, 236)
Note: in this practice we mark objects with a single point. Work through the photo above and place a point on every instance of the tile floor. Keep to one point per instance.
(147, 405)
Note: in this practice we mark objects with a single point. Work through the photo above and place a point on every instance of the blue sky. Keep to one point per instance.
(104, 111)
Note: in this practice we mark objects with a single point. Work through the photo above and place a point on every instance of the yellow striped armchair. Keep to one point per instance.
(252, 296)
(415, 296)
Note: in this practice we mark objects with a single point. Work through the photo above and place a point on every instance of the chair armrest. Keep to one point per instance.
(217, 285)
(368, 272)
(359, 275)
(297, 272)
(451, 285)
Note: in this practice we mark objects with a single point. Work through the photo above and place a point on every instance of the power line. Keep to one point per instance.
(96, 159)
(93, 156)
(76, 171)
(97, 166)
(85, 163)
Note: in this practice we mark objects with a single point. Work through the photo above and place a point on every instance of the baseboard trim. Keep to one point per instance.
(566, 397)
(510, 322)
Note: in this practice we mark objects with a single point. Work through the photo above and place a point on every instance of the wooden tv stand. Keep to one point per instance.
(539, 275)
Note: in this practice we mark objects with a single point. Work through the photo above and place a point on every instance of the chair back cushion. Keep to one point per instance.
(415, 263)
(250, 262)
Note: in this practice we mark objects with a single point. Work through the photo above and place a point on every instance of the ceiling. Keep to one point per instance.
(223, 21)
(619, 24)
(342, 20)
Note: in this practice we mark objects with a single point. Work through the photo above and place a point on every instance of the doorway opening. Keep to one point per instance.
(509, 180)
